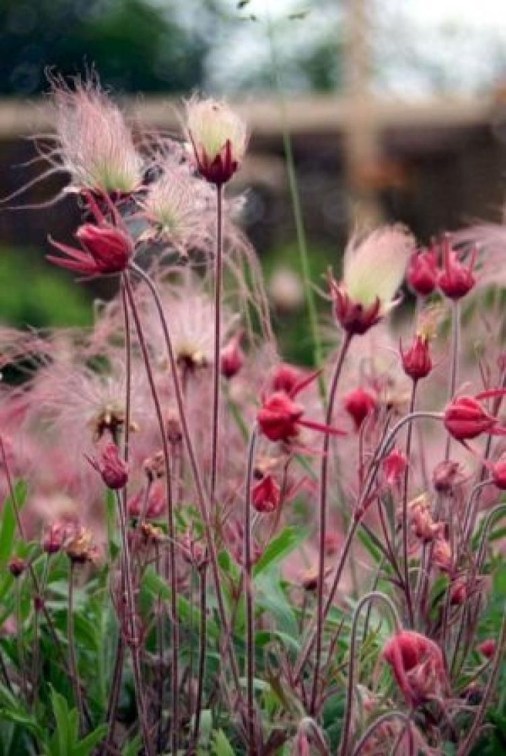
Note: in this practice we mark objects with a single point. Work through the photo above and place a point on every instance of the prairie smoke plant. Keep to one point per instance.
(185, 566)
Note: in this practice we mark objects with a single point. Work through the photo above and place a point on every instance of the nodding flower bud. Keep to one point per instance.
(266, 495)
(286, 377)
(373, 270)
(359, 403)
(106, 251)
(219, 139)
(487, 648)
(418, 666)
(455, 280)
(466, 418)
(422, 272)
(442, 554)
(16, 566)
(446, 476)
(394, 466)
(56, 535)
(498, 470)
(416, 361)
(279, 419)
(112, 468)
(232, 357)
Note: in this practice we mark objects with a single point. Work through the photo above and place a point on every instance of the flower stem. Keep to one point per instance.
(322, 516)
(218, 286)
(72, 650)
(405, 492)
(201, 498)
(248, 585)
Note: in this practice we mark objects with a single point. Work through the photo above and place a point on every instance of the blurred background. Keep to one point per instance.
(394, 110)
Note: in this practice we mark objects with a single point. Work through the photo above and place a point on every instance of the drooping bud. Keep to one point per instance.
(418, 666)
(446, 476)
(373, 270)
(416, 361)
(56, 535)
(266, 495)
(105, 250)
(442, 555)
(487, 647)
(498, 470)
(232, 357)
(456, 279)
(359, 403)
(112, 468)
(394, 466)
(279, 419)
(286, 377)
(422, 272)
(465, 418)
(17, 566)
(219, 139)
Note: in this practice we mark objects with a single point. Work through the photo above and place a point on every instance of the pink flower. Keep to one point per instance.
(456, 279)
(232, 357)
(359, 403)
(416, 361)
(418, 666)
(218, 137)
(466, 418)
(111, 467)
(394, 466)
(374, 268)
(105, 249)
(422, 272)
(266, 495)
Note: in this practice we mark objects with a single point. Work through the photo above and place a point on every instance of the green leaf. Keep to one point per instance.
(8, 521)
(87, 744)
(279, 548)
(62, 739)
(221, 745)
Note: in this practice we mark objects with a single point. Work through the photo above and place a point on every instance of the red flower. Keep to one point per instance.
(499, 473)
(232, 357)
(266, 495)
(105, 249)
(465, 418)
(487, 647)
(394, 466)
(286, 378)
(422, 272)
(418, 666)
(359, 403)
(416, 361)
(111, 467)
(456, 279)
(354, 317)
(280, 416)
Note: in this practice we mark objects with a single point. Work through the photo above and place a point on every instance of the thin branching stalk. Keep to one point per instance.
(322, 516)
(218, 286)
(249, 598)
(375, 595)
(479, 716)
(378, 723)
(170, 516)
(201, 498)
(405, 492)
(359, 511)
(72, 649)
(454, 365)
(21, 652)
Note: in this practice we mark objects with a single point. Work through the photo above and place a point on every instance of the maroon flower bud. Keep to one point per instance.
(394, 466)
(232, 357)
(55, 536)
(17, 566)
(446, 475)
(266, 495)
(487, 647)
(418, 666)
(459, 592)
(442, 555)
(354, 317)
(279, 419)
(422, 272)
(416, 361)
(111, 467)
(107, 249)
(359, 403)
(286, 378)
(466, 418)
(456, 279)
(498, 470)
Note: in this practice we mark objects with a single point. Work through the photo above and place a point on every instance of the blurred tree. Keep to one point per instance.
(136, 45)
